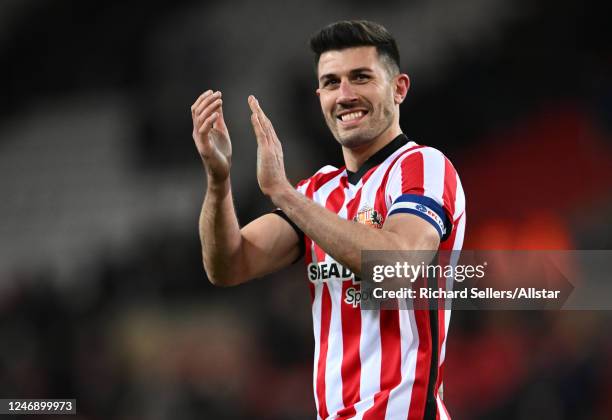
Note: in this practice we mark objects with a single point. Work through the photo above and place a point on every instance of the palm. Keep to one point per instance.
(215, 148)
(220, 150)
(211, 136)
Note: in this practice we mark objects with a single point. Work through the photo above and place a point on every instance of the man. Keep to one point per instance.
(368, 364)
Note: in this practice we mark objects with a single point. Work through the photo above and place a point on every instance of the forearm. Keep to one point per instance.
(220, 234)
(342, 239)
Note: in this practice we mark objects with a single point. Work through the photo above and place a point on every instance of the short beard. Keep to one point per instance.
(361, 137)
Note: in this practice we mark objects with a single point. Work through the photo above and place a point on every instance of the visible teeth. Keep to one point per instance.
(351, 116)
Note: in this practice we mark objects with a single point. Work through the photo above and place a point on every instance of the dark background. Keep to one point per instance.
(102, 293)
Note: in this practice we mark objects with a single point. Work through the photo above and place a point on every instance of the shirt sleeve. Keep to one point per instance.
(420, 183)
(301, 188)
(300, 234)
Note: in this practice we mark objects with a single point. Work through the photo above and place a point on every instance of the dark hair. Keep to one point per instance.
(356, 33)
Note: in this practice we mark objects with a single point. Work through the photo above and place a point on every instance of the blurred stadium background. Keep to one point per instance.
(102, 294)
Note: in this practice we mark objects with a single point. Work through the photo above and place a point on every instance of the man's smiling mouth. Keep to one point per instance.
(352, 116)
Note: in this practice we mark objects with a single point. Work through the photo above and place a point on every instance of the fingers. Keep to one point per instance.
(213, 107)
(259, 131)
(260, 119)
(208, 123)
(206, 101)
(203, 108)
(199, 101)
(203, 101)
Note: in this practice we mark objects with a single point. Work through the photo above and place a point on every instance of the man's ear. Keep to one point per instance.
(318, 91)
(402, 85)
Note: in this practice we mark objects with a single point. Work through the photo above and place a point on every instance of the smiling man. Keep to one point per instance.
(392, 194)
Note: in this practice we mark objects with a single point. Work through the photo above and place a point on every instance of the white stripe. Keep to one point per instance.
(316, 326)
(302, 188)
(335, 347)
(399, 397)
(447, 316)
(316, 315)
(458, 244)
(393, 189)
(333, 374)
(370, 351)
(320, 196)
(370, 188)
(455, 255)
(441, 411)
(433, 174)
(326, 169)
(459, 199)
(369, 342)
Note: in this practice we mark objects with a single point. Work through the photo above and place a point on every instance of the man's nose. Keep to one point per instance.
(346, 93)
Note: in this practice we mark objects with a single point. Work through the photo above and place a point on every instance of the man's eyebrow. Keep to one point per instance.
(361, 70)
(327, 76)
(352, 72)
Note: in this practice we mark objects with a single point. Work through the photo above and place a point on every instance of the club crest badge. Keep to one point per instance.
(368, 216)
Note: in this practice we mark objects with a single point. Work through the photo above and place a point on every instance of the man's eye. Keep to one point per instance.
(362, 77)
(330, 83)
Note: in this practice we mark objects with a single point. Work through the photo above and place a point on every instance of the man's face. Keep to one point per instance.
(356, 94)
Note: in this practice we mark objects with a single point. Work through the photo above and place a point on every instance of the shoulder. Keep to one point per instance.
(319, 178)
(421, 159)
(415, 152)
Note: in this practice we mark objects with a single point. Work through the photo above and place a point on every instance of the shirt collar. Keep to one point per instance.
(377, 158)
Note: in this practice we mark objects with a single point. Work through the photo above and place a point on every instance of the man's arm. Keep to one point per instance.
(342, 239)
(232, 255)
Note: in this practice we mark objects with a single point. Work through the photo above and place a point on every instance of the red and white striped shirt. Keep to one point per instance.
(377, 364)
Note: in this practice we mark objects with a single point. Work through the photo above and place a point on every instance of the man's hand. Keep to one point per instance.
(211, 136)
(270, 163)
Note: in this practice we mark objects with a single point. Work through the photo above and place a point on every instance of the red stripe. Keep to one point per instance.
(352, 206)
(351, 335)
(390, 364)
(380, 194)
(334, 202)
(325, 321)
(421, 374)
(322, 363)
(319, 253)
(413, 174)
(448, 244)
(318, 180)
(441, 336)
(308, 243)
(444, 261)
(351, 361)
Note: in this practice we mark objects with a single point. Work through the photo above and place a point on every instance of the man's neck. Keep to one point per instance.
(355, 157)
